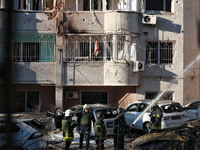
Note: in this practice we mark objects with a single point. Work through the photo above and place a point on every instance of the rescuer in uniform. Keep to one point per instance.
(84, 120)
(156, 116)
(100, 131)
(68, 126)
(120, 127)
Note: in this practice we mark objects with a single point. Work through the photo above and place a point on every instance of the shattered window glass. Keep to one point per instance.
(159, 5)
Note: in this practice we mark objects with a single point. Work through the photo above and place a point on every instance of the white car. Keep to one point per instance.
(25, 136)
(193, 110)
(174, 115)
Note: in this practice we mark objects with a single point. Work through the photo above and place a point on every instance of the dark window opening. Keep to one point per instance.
(95, 4)
(36, 5)
(165, 96)
(94, 97)
(84, 49)
(25, 100)
(32, 99)
(19, 101)
(86, 5)
(27, 52)
(159, 5)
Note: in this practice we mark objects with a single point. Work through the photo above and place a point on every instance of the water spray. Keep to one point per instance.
(161, 94)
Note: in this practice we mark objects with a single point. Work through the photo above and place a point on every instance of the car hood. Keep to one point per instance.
(25, 131)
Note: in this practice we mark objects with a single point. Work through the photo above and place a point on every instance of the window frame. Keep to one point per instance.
(164, 3)
(28, 6)
(26, 98)
(171, 93)
(157, 52)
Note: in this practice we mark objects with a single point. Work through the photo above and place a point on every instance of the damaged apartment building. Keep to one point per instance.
(69, 52)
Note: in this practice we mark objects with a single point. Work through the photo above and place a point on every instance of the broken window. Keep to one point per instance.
(89, 5)
(153, 95)
(26, 52)
(159, 52)
(34, 48)
(159, 5)
(87, 97)
(25, 100)
(36, 4)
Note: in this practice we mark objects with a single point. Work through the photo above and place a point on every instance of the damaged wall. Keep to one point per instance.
(84, 22)
(102, 74)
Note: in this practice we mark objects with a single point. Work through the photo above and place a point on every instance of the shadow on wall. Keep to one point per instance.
(167, 25)
(23, 73)
(157, 74)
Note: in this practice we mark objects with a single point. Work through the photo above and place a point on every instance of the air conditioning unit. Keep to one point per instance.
(138, 66)
(149, 19)
(71, 94)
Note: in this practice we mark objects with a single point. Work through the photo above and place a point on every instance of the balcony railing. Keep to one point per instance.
(98, 48)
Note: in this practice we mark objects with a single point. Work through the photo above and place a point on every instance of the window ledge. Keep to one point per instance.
(34, 11)
(157, 12)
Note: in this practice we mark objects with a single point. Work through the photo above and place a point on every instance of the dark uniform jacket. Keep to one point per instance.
(100, 129)
(84, 120)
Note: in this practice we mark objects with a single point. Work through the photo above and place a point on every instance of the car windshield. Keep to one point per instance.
(108, 113)
(174, 107)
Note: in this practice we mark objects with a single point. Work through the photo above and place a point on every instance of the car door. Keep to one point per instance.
(141, 117)
(130, 113)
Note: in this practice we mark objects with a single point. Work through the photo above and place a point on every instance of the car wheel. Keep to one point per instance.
(147, 128)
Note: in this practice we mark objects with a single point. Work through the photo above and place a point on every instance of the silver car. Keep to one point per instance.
(25, 136)
(174, 115)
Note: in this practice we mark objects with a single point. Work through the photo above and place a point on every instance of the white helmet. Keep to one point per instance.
(68, 113)
(85, 106)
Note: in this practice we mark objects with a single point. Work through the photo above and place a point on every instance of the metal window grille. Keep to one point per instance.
(81, 48)
(36, 4)
(159, 52)
(27, 52)
(34, 48)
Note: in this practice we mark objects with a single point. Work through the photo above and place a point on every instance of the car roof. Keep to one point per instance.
(160, 102)
(192, 103)
(93, 106)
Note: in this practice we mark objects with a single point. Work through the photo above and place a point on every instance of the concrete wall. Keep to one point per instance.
(121, 22)
(101, 22)
(84, 22)
(157, 77)
(35, 73)
(34, 22)
(99, 74)
(191, 50)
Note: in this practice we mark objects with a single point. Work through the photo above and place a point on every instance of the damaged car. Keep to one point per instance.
(193, 110)
(108, 111)
(26, 133)
(174, 115)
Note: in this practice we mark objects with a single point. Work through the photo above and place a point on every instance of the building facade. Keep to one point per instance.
(69, 52)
